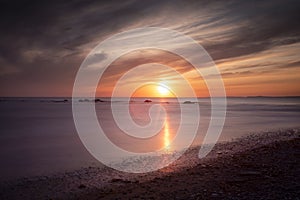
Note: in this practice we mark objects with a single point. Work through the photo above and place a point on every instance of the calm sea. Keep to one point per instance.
(38, 135)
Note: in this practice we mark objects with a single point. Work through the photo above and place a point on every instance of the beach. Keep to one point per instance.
(258, 166)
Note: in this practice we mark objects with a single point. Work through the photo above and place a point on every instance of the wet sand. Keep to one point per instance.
(259, 166)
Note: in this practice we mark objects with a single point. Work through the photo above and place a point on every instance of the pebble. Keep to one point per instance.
(214, 194)
(82, 186)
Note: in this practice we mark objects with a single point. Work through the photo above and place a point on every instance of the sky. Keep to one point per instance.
(254, 44)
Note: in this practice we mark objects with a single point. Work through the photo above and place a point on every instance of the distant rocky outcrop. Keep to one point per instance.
(98, 100)
(60, 101)
(188, 102)
(91, 100)
(84, 100)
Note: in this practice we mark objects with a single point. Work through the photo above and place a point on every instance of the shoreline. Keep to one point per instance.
(96, 182)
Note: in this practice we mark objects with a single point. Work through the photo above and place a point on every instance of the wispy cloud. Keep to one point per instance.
(45, 42)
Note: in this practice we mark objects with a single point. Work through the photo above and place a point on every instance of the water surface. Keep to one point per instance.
(38, 135)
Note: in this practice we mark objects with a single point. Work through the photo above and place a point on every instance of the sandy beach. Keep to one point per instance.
(258, 166)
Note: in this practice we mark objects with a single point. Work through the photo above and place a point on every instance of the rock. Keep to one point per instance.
(82, 186)
(118, 180)
(98, 100)
(188, 102)
(249, 173)
(214, 194)
(114, 180)
(60, 101)
(83, 100)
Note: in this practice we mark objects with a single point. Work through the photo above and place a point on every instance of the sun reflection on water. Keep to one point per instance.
(167, 136)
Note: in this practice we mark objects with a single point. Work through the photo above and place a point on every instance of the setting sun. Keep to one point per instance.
(162, 90)
(153, 90)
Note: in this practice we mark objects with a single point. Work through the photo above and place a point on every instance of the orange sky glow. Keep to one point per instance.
(237, 81)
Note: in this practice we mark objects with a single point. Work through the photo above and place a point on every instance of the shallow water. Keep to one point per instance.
(38, 135)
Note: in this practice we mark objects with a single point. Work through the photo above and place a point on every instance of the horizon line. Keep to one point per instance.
(254, 96)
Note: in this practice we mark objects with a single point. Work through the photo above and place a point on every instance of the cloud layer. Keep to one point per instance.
(43, 43)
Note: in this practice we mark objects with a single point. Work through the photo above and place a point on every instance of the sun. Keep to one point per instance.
(153, 90)
(162, 90)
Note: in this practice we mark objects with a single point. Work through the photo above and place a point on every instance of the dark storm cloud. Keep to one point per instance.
(266, 24)
(66, 26)
(52, 25)
(95, 58)
(47, 41)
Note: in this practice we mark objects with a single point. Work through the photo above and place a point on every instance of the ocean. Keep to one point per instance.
(38, 135)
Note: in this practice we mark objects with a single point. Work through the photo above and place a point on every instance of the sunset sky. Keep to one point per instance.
(255, 44)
